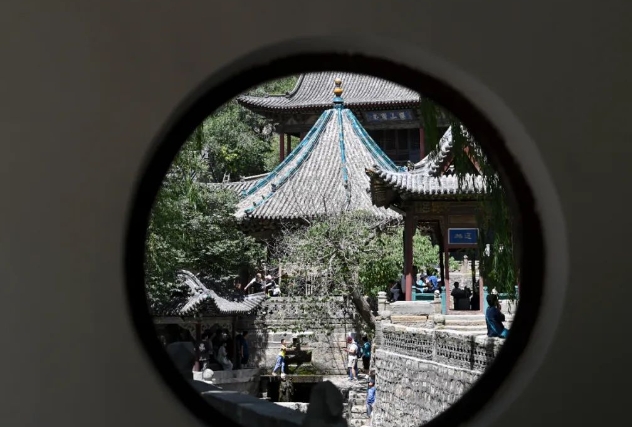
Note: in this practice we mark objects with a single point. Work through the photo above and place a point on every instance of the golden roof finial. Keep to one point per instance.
(338, 88)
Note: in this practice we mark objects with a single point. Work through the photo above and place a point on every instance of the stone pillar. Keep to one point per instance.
(381, 301)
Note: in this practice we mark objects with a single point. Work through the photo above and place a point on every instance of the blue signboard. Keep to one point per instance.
(462, 236)
(389, 116)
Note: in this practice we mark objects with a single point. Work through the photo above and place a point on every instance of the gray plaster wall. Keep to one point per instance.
(421, 372)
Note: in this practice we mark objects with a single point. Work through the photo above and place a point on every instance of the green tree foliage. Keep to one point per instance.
(498, 264)
(192, 225)
(239, 142)
(350, 254)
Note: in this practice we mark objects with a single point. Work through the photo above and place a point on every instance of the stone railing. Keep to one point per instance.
(421, 372)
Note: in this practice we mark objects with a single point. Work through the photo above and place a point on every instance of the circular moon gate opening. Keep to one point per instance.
(207, 100)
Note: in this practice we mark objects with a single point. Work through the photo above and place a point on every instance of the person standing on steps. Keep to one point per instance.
(366, 354)
(370, 398)
(352, 365)
(280, 360)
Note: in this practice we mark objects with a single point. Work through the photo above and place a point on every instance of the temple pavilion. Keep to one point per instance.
(323, 174)
(388, 112)
(430, 198)
(342, 162)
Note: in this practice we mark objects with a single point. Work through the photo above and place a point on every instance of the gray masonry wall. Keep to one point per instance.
(324, 339)
(421, 372)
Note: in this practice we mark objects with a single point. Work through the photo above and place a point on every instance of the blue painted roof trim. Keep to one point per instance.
(383, 160)
(309, 143)
(315, 130)
(343, 154)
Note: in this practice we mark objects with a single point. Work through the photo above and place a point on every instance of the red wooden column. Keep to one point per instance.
(422, 143)
(289, 144)
(281, 147)
(409, 231)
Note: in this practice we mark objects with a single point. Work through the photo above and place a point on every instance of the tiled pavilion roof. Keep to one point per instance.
(313, 91)
(425, 179)
(324, 174)
(203, 301)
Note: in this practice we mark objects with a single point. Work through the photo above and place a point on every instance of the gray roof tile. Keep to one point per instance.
(424, 179)
(323, 174)
(313, 91)
(204, 301)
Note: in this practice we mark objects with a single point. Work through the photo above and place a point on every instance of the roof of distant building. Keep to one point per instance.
(324, 174)
(426, 180)
(313, 91)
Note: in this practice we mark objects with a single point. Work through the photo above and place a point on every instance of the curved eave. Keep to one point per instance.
(255, 105)
(388, 187)
(264, 220)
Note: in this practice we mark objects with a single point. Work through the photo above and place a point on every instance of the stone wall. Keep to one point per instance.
(421, 372)
(322, 342)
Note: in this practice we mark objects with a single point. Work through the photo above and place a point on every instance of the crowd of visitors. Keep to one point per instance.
(261, 283)
(215, 350)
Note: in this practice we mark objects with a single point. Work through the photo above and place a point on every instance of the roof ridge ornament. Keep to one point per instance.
(338, 102)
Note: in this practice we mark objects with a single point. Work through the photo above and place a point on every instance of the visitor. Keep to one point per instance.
(222, 358)
(366, 354)
(257, 283)
(370, 398)
(238, 292)
(242, 350)
(433, 280)
(372, 375)
(396, 291)
(269, 285)
(422, 283)
(182, 354)
(276, 290)
(280, 360)
(475, 301)
(204, 348)
(352, 365)
(461, 298)
(495, 318)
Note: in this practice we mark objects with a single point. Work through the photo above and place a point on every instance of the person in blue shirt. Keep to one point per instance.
(370, 398)
(495, 318)
(433, 280)
(366, 353)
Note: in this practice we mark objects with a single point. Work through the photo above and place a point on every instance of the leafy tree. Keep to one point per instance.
(238, 142)
(351, 254)
(192, 225)
(498, 264)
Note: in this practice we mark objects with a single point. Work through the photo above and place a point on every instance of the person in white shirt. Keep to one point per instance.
(352, 365)
(222, 358)
(258, 282)
(276, 290)
(269, 285)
